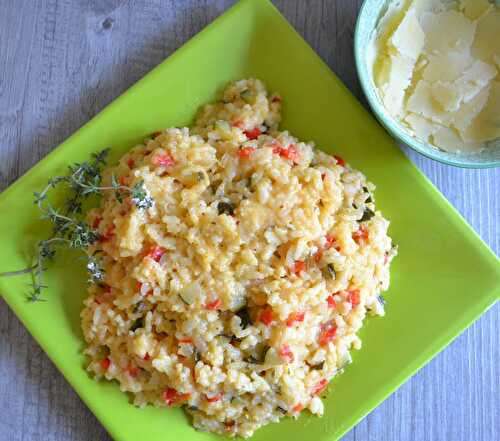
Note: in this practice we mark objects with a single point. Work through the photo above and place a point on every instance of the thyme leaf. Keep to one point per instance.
(69, 229)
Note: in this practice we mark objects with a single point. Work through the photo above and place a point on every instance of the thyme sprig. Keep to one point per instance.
(70, 230)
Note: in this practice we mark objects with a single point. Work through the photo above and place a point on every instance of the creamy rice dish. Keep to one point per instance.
(238, 295)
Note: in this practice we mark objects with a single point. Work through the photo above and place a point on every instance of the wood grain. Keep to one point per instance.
(62, 61)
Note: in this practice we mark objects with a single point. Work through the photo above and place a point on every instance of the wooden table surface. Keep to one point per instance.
(62, 61)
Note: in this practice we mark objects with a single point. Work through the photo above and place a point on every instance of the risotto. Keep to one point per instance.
(239, 293)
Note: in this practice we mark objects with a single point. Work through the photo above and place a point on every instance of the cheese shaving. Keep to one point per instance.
(437, 70)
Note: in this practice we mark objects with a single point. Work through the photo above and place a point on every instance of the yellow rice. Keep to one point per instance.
(240, 292)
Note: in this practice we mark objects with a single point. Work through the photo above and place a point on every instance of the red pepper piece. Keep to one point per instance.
(327, 334)
(214, 305)
(186, 340)
(133, 370)
(331, 302)
(286, 354)
(353, 297)
(214, 399)
(295, 317)
(266, 316)
(253, 133)
(245, 152)
(320, 386)
(156, 253)
(96, 222)
(340, 161)
(360, 235)
(105, 362)
(163, 160)
(171, 396)
(299, 266)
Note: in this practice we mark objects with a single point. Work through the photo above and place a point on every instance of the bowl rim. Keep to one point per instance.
(389, 123)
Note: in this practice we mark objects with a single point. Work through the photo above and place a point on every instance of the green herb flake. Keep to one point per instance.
(244, 316)
(367, 215)
(329, 271)
(318, 366)
(138, 323)
(225, 208)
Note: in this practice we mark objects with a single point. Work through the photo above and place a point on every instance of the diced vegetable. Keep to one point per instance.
(225, 208)
(353, 297)
(253, 133)
(171, 396)
(163, 160)
(318, 366)
(139, 307)
(266, 354)
(330, 240)
(299, 266)
(367, 215)
(320, 387)
(132, 370)
(145, 289)
(369, 198)
(105, 363)
(286, 354)
(146, 357)
(360, 235)
(291, 152)
(96, 222)
(244, 316)
(215, 398)
(340, 161)
(130, 163)
(214, 304)
(327, 334)
(328, 271)
(331, 302)
(139, 323)
(245, 152)
(298, 407)
(295, 317)
(108, 235)
(186, 341)
(266, 315)
(156, 253)
(238, 123)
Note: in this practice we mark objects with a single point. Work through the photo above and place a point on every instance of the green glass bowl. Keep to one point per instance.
(369, 15)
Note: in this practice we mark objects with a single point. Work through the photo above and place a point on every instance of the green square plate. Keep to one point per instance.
(442, 280)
